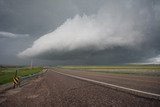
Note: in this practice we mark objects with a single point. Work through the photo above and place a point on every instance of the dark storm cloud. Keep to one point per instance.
(106, 31)
(33, 16)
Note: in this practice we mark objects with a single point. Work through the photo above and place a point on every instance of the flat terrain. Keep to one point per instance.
(145, 70)
(143, 83)
(7, 73)
(56, 90)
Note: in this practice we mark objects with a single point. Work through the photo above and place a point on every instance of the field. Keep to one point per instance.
(7, 73)
(147, 70)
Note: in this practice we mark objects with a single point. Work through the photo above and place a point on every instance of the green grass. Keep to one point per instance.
(112, 67)
(147, 70)
(7, 74)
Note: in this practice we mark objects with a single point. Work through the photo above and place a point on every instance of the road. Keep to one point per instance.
(56, 90)
(144, 83)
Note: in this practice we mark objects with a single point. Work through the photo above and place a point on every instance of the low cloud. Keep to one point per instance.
(154, 60)
(124, 25)
(11, 35)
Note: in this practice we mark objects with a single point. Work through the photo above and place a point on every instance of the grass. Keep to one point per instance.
(148, 70)
(7, 74)
(112, 67)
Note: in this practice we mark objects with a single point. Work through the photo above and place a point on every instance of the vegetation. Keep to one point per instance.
(7, 73)
(112, 67)
(149, 70)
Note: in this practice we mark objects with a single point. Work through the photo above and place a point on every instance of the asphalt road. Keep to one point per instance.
(143, 83)
(56, 90)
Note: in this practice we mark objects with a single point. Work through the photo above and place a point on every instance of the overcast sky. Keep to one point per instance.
(52, 32)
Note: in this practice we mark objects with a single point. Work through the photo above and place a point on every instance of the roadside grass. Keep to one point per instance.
(147, 70)
(112, 67)
(142, 73)
(7, 74)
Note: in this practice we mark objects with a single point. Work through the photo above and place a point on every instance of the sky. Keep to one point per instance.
(79, 32)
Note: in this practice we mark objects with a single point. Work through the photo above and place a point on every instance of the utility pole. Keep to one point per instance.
(0, 68)
(31, 63)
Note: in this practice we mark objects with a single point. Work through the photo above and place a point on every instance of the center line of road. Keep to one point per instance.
(120, 88)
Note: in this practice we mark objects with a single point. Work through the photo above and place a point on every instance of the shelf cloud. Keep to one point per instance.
(79, 31)
(111, 27)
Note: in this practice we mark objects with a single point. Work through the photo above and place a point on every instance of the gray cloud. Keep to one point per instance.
(79, 31)
(154, 60)
(11, 35)
(128, 25)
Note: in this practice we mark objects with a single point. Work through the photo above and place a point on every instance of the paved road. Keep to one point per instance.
(143, 83)
(56, 90)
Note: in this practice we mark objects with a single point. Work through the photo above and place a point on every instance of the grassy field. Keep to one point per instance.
(112, 67)
(149, 70)
(7, 73)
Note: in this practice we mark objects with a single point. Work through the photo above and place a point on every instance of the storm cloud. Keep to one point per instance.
(84, 32)
(116, 24)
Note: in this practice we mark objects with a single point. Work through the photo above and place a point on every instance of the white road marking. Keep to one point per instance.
(133, 91)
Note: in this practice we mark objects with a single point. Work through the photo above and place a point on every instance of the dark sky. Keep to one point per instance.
(52, 32)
